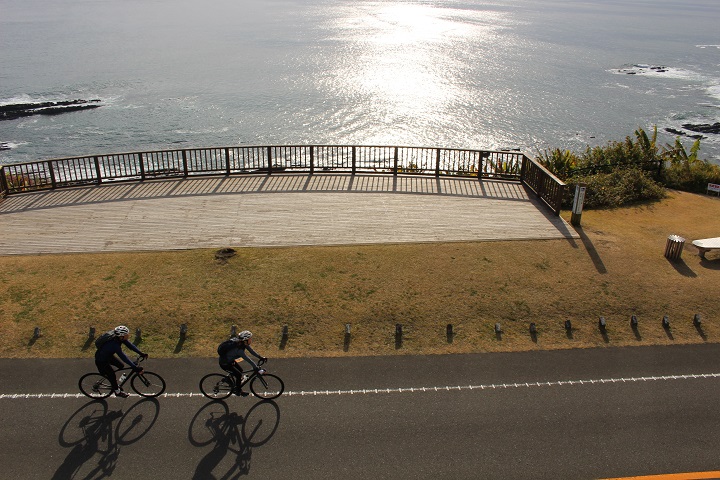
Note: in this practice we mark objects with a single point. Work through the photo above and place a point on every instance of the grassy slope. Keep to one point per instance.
(616, 270)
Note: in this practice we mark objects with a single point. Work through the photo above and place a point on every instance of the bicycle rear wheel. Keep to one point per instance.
(95, 385)
(148, 384)
(267, 386)
(216, 386)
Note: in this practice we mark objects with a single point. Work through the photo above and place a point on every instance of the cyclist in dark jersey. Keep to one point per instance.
(107, 356)
(228, 360)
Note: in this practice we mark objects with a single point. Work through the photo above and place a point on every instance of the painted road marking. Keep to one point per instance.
(675, 476)
(368, 391)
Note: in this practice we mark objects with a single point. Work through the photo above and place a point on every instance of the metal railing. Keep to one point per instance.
(239, 160)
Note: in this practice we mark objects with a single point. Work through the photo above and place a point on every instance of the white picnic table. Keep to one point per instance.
(706, 244)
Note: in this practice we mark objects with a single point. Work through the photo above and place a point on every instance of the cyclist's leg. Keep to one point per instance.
(236, 371)
(107, 370)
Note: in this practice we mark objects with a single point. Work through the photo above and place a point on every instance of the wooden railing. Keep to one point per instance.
(547, 186)
(238, 160)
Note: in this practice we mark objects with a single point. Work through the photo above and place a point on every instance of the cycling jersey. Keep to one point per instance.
(236, 352)
(105, 353)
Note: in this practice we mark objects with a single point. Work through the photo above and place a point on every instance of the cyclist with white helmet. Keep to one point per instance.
(108, 352)
(234, 350)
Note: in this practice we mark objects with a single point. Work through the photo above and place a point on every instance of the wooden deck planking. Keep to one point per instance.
(272, 211)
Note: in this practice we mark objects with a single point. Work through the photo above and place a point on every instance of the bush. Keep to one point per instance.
(615, 189)
(687, 172)
(632, 171)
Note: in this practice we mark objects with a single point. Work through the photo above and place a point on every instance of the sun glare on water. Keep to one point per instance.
(408, 62)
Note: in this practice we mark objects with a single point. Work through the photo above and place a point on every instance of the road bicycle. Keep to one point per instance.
(145, 384)
(263, 385)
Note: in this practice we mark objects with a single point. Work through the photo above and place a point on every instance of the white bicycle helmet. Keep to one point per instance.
(121, 331)
(244, 335)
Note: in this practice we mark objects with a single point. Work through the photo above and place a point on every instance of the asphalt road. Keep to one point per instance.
(566, 414)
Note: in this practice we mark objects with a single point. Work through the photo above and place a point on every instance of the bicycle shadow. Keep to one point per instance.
(95, 435)
(226, 432)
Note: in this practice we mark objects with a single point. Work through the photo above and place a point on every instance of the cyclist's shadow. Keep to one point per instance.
(227, 432)
(89, 432)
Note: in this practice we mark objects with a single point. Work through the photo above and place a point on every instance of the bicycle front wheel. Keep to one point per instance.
(148, 384)
(267, 386)
(216, 386)
(95, 385)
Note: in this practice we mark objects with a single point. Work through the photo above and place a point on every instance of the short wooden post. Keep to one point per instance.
(578, 202)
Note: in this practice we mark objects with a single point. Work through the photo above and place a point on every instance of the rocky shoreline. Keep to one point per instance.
(18, 110)
(698, 128)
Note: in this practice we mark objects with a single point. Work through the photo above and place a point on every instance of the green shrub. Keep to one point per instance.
(631, 171)
(687, 172)
(620, 187)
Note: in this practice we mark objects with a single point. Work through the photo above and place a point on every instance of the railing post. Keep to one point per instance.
(479, 165)
(395, 167)
(185, 167)
(98, 172)
(142, 166)
(3, 182)
(437, 162)
(354, 167)
(269, 160)
(312, 159)
(227, 161)
(53, 183)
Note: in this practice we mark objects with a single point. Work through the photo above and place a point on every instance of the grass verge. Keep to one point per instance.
(617, 269)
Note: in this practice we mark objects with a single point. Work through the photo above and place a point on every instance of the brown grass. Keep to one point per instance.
(616, 270)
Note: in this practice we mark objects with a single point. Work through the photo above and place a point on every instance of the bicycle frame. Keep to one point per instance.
(138, 361)
(247, 374)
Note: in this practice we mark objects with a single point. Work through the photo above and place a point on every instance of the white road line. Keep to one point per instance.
(447, 388)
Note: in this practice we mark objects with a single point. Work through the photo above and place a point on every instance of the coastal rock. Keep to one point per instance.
(713, 128)
(675, 131)
(19, 110)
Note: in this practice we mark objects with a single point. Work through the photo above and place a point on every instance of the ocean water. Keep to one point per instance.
(502, 74)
